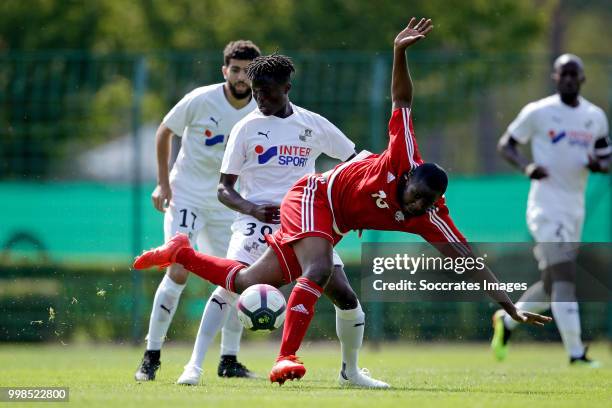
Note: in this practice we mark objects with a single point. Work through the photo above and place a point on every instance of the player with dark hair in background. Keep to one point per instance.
(569, 138)
(187, 197)
(394, 190)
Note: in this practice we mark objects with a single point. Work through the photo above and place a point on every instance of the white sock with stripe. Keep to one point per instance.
(215, 315)
(567, 317)
(164, 306)
(350, 326)
(231, 334)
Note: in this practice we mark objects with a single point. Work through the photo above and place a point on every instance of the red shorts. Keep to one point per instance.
(305, 213)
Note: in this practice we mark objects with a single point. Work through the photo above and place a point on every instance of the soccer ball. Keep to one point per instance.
(261, 307)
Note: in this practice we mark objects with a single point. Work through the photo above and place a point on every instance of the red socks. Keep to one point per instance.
(300, 310)
(219, 271)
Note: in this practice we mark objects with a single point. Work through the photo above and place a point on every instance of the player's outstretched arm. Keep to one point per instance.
(523, 316)
(504, 301)
(401, 83)
(228, 196)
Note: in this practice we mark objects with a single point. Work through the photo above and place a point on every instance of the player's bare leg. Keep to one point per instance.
(350, 325)
(266, 270)
(314, 255)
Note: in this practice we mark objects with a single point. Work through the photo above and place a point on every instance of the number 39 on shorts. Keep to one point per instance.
(255, 228)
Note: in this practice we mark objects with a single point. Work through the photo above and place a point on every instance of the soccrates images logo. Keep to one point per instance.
(296, 156)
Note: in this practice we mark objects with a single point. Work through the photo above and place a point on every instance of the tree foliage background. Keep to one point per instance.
(144, 25)
(480, 47)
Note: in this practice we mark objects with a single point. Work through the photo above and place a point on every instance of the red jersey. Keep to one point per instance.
(361, 194)
(364, 192)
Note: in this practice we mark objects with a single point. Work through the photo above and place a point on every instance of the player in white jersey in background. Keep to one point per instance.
(569, 138)
(188, 196)
(268, 151)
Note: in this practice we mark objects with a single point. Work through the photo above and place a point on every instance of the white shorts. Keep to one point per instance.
(247, 243)
(557, 235)
(208, 229)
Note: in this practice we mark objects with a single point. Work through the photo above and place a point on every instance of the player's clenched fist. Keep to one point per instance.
(535, 172)
(270, 214)
(161, 197)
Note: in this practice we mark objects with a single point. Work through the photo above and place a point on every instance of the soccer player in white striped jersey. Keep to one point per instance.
(569, 138)
(268, 151)
(188, 196)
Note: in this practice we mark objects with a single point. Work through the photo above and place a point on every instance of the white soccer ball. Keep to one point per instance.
(261, 307)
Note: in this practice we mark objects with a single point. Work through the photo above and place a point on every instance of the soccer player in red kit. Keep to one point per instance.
(394, 190)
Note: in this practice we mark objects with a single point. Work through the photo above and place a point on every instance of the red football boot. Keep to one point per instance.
(287, 368)
(164, 255)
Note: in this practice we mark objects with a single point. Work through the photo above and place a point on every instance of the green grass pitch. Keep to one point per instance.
(435, 375)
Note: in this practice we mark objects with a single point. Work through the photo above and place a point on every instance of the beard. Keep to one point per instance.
(239, 95)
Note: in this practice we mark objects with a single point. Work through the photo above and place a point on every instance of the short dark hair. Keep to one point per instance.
(566, 59)
(240, 50)
(432, 175)
(279, 67)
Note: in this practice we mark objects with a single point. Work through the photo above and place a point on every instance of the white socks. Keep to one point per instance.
(534, 300)
(564, 309)
(231, 332)
(164, 307)
(350, 325)
(565, 312)
(216, 313)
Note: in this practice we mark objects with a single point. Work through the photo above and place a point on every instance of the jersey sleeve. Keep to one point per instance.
(522, 127)
(335, 143)
(602, 148)
(235, 151)
(402, 151)
(437, 228)
(179, 116)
